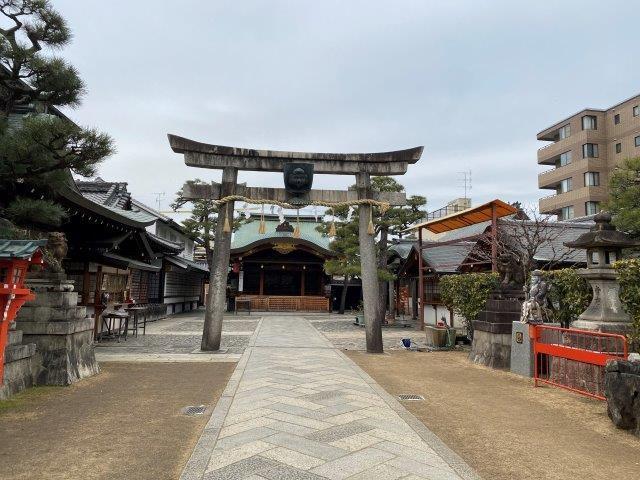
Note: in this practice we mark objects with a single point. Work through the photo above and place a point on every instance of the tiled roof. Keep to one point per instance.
(553, 248)
(115, 197)
(247, 233)
(20, 249)
(110, 194)
(188, 264)
(446, 258)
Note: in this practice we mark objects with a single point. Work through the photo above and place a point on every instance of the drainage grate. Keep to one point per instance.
(194, 410)
(410, 396)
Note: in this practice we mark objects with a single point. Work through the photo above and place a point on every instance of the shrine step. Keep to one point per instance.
(15, 337)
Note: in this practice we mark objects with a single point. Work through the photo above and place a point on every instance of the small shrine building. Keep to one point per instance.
(279, 270)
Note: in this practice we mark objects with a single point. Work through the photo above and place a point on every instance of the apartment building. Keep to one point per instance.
(585, 148)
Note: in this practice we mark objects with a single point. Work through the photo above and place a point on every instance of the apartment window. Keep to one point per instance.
(638, 141)
(564, 131)
(636, 110)
(589, 122)
(591, 179)
(616, 119)
(566, 212)
(565, 159)
(566, 185)
(590, 150)
(591, 208)
(618, 147)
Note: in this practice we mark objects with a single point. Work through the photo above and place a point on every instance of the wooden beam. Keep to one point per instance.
(212, 191)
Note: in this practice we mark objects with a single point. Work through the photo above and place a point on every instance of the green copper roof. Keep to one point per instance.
(248, 233)
(20, 248)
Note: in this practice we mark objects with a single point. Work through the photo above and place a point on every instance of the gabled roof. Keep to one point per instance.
(164, 246)
(186, 264)
(21, 249)
(111, 194)
(465, 218)
(446, 258)
(247, 234)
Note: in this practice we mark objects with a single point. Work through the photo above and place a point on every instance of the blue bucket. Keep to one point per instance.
(406, 342)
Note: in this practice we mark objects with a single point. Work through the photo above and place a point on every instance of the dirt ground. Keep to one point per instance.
(503, 426)
(122, 424)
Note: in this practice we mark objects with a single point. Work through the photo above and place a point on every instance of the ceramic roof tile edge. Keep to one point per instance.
(20, 249)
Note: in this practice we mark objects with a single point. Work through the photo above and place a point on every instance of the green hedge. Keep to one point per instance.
(570, 295)
(629, 278)
(467, 294)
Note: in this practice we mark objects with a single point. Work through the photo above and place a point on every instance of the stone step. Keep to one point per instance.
(13, 353)
(29, 313)
(15, 337)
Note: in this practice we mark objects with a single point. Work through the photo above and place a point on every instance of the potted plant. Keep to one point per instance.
(359, 314)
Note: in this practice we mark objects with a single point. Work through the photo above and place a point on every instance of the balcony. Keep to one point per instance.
(548, 153)
(552, 177)
(553, 203)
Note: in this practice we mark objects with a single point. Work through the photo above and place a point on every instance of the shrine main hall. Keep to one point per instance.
(278, 270)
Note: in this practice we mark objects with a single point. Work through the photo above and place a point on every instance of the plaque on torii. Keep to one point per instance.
(232, 159)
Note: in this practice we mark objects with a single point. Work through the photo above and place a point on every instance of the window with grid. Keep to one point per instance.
(636, 110)
(591, 179)
(564, 131)
(616, 119)
(589, 122)
(591, 208)
(565, 159)
(618, 147)
(566, 212)
(566, 185)
(590, 150)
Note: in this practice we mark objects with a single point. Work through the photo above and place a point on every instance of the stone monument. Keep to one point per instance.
(491, 344)
(535, 311)
(604, 246)
(62, 332)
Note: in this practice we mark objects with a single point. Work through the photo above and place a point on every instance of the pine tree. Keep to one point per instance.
(624, 196)
(38, 150)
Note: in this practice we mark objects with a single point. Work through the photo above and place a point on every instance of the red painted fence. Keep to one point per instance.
(575, 359)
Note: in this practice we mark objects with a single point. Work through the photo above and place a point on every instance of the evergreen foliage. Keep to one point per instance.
(38, 150)
(629, 278)
(467, 294)
(624, 196)
(570, 295)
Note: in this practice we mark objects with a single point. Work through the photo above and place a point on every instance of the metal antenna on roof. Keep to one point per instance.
(159, 197)
(466, 179)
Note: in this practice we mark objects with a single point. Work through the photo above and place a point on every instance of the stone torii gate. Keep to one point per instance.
(232, 159)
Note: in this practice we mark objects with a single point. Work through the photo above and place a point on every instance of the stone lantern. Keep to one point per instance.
(604, 246)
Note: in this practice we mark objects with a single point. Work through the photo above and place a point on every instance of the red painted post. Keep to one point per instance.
(420, 280)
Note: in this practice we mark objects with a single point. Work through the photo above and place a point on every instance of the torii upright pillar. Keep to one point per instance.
(231, 159)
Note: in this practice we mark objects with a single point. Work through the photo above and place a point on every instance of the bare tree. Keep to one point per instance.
(534, 239)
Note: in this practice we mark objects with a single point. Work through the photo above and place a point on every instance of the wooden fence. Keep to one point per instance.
(286, 304)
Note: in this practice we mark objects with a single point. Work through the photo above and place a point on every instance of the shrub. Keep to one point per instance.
(629, 278)
(467, 294)
(570, 295)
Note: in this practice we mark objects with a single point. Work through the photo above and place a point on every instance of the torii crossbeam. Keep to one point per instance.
(232, 159)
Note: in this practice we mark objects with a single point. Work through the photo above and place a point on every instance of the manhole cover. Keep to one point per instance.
(194, 410)
(410, 396)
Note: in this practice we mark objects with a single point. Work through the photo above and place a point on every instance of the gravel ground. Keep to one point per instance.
(501, 425)
(125, 423)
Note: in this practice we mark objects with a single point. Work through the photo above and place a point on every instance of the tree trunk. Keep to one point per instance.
(382, 265)
(343, 295)
(216, 299)
(392, 299)
(368, 267)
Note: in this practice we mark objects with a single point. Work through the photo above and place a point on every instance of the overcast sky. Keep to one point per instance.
(473, 81)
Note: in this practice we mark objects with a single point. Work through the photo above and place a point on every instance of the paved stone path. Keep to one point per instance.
(297, 408)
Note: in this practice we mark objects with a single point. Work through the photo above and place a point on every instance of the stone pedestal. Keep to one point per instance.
(62, 333)
(522, 361)
(22, 364)
(491, 344)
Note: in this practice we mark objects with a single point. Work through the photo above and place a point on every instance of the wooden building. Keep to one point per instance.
(277, 271)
